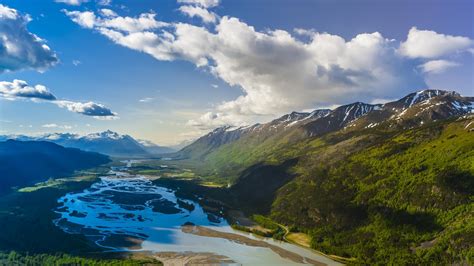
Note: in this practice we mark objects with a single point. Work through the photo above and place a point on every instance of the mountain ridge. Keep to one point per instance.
(106, 142)
(323, 121)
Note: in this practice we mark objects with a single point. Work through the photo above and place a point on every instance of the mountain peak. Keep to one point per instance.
(108, 134)
(354, 110)
(423, 95)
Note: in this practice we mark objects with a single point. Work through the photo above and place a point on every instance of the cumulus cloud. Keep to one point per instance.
(430, 44)
(88, 108)
(437, 66)
(202, 3)
(110, 21)
(211, 120)
(21, 89)
(202, 13)
(305, 32)
(19, 48)
(277, 71)
(107, 12)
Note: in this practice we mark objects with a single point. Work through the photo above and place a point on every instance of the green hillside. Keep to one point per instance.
(380, 195)
(407, 197)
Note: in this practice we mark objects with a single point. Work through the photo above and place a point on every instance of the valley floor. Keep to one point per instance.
(31, 237)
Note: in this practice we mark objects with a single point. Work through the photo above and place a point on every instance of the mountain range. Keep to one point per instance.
(107, 142)
(390, 183)
(415, 109)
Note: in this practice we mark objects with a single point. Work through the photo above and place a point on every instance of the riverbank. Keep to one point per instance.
(207, 198)
(247, 225)
(207, 232)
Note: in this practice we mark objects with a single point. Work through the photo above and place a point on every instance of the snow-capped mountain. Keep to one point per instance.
(153, 148)
(296, 118)
(339, 118)
(412, 110)
(107, 142)
(418, 108)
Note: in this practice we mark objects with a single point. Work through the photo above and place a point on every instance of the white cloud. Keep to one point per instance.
(211, 120)
(146, 100)
(437, 66)
(72, 2)
(96, 110)
(305, 32)
(53, 125)
(196, 11)
(202, 3)
(379, 101)
(107, 12)
(21, 89)
(19, 48)
(88, 19)
(49, 125)
(215, 86)
(430, 44)
(76, 62)
(276, 71)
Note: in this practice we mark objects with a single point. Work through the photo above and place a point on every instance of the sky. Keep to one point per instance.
(172, 70)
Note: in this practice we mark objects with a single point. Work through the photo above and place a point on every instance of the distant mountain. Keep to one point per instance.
(181, 144)
(107, 142)
(153, 148)
(25, 162)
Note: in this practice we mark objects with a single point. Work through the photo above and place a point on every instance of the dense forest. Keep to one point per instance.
(14, 258)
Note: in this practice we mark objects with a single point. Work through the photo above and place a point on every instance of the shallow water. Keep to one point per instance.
(122, 204)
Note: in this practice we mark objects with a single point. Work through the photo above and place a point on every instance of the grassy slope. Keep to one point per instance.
(230, 160)
(374, 194)
(380, 203)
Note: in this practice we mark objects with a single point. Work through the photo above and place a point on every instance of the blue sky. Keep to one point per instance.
(236, 69)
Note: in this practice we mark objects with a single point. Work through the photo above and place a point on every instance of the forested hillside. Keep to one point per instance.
(24, 162)
(393, 184)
